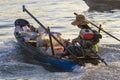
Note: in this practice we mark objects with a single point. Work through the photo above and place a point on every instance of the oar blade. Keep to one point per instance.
(24, 9)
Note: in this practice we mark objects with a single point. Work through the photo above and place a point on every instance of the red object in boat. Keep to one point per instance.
(86, 34)
(61, 49)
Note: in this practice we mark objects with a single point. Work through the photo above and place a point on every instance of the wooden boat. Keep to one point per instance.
(28, 37)
(65, 63)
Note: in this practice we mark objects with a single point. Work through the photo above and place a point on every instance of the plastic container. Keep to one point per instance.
(86, 34)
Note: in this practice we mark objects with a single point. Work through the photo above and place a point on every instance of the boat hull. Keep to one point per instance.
(56, 62)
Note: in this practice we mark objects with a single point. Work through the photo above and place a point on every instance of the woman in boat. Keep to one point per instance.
(86, 40)
(81, 23)
(86, 34)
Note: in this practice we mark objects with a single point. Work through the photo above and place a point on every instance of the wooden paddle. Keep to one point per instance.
(51, 43)
(102, 30)
(25, 10)
(98, 56)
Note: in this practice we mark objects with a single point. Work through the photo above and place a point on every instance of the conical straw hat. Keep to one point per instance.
(80, 20)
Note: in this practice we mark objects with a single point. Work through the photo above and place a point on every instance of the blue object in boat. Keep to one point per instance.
(57, 33)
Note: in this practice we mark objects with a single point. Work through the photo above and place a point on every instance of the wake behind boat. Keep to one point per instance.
(49, 47)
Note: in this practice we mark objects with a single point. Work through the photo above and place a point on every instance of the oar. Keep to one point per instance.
(98, 57)
(51, 43)
(102, 29)
(25, 10)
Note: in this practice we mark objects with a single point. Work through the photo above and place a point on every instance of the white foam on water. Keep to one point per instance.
(79, 69)
(110, 72)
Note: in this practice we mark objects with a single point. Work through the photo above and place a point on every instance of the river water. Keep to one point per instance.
(58, 14)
